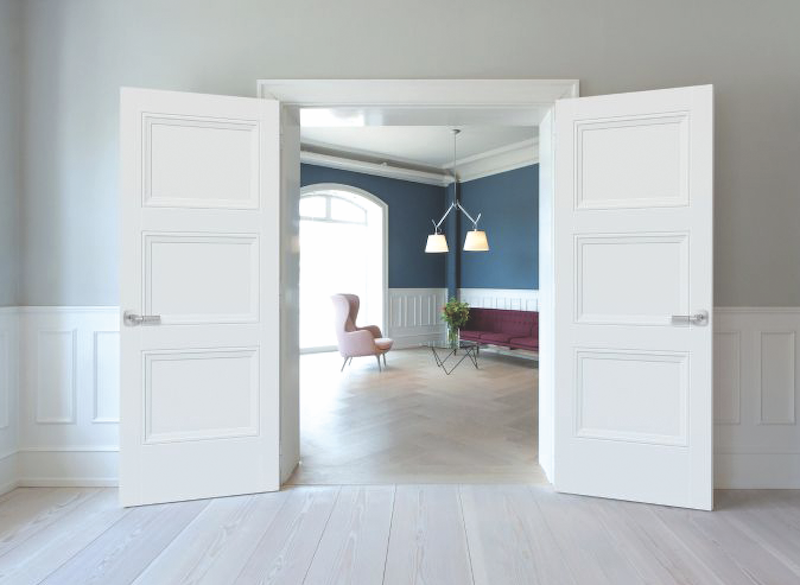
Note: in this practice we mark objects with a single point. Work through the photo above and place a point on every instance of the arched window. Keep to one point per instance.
(342, 250)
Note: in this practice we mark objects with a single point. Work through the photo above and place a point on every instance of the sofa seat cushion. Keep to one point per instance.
(471, 334)
(384, 343)
(495, 337)
(525, 342)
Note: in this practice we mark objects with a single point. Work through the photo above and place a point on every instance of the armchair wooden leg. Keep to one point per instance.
(379, 362)
(384, 359)
(344, 364)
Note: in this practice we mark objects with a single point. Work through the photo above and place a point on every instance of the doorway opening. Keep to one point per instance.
(343, 248)
(413, 421)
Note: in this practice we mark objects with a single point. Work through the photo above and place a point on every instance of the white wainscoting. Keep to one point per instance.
(518, 299)
(756, 369)
(63, 430)
(414, 315)
(69, 407)
(9, 398)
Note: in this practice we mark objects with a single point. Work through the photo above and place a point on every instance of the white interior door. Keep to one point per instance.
(633, 248)
(200, 276)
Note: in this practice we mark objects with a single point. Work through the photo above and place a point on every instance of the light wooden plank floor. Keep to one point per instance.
(413, 424)
(404, 534)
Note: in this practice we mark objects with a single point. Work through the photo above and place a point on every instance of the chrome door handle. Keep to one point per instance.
(699, 318)
(131, 319)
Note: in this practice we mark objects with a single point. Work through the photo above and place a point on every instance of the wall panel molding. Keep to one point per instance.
(414, 315)
(55, 371)
(9, 398)
(747, 454)
(69, 366)
(757, 438)
(518, 299)
(777, 381)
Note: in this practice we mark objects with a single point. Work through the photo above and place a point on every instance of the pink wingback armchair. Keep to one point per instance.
(357, 341)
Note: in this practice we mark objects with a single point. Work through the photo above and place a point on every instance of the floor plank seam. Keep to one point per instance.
(88, 544)
(322, 533)
(32, 534)
(170, 543)
(466, 534)
(691, 552)
(263, 535)
(389, 537)
(550, 531)
(735, 559)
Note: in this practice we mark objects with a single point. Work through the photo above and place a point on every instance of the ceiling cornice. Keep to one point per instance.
(498, 160)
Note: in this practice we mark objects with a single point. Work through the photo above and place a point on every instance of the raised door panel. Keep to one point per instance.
(201, 279)
(632, 279)
(636, 397)
(200, 162)
(636, 162)
(200, 394)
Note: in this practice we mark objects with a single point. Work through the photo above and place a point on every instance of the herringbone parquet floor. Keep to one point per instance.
(413, 424)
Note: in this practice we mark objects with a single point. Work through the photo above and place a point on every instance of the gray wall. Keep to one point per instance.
(79, 52)
(10, 144)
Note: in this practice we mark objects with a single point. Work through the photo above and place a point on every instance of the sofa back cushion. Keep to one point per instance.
(514, 323)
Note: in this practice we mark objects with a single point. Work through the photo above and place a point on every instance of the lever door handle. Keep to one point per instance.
(131, 319)
(699, 318)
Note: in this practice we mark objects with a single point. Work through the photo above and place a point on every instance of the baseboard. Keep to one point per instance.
(415, 340)
(517, 353)
(745, 471)
(68, 468)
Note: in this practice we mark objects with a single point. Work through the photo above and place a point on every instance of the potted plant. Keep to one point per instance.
(456, 314)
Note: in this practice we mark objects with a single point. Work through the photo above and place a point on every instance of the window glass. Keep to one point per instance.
(341, 250)
(313, 206)
(343, 210)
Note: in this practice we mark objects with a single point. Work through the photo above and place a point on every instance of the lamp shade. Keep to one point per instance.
(437, 244)
(476, 241)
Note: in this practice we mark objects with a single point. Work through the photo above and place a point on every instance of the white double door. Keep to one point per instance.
(633, 285)
(201, 281)
(200, 405)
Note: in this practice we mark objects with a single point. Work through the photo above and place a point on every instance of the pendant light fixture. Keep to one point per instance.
(476, 240)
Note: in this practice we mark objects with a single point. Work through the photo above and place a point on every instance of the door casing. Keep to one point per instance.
(380, 102)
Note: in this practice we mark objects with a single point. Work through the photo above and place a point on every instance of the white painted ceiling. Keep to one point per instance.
(423, 146)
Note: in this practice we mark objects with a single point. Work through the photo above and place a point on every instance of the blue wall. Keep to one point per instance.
(411, 208)
(510, 205)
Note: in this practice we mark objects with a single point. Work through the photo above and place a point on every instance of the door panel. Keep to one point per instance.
(632, 161)
(193, 161)
(192, 295)
(200, 259)
(633, 248)
(610, 283)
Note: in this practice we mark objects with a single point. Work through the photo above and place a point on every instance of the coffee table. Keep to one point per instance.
(444, 353)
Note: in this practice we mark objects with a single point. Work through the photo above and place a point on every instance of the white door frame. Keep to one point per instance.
(435, 102)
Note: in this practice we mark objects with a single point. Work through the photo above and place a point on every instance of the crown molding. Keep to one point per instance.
(492, 162)
(498, 160)
(370, 168)
(369, 156)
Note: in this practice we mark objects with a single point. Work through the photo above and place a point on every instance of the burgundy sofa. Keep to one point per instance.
(512, 329)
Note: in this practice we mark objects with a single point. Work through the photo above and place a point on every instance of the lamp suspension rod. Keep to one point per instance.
(456, 204)
(446, 213)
